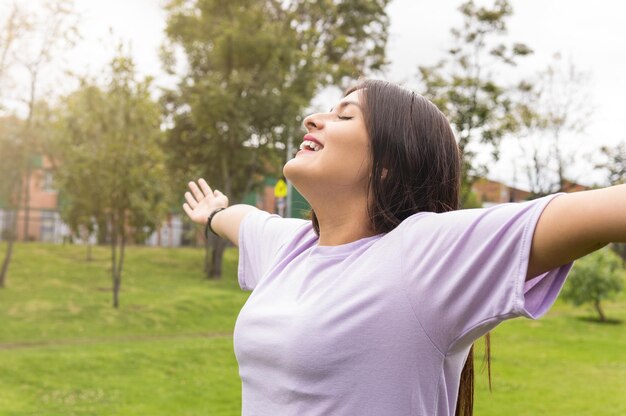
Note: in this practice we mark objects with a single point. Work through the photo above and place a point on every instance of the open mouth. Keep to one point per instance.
(311, 145)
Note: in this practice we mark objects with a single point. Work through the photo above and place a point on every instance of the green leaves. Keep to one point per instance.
(614, 162)
(253, 66)
(11, 155)
(109, 143)
(596, 277)
(467, 91)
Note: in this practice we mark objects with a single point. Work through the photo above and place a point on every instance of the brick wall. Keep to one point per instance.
(43, 204)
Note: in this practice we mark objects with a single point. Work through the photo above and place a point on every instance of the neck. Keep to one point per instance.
(343, 221)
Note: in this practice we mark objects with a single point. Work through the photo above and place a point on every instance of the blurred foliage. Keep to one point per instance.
(10, 155)
(596, 277)
(31, 39)
(13, 27)
(465, 88)
(251, 68)
(472, 201)
(614, 163)
(113, 167)
(550, 114)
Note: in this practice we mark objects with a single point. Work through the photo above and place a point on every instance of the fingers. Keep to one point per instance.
(190, 200)
(187, 209)
(204, 186)
(201, 193)
(197, 193)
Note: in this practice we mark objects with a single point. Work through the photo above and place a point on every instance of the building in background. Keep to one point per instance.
(44, 221)
(489, 193)
(170, 234)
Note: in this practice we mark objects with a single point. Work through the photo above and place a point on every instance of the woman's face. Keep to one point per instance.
(335, 153)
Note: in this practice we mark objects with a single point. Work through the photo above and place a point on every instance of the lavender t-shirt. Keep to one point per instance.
(380, 326)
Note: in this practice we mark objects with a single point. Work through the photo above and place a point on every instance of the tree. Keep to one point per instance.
(13, 28)
(465, 87)
(112, 166)
(10, 155)
(553, 108)
(57, 31)
(596, 277)
(614, 164)
(31, 40)
(252, 67)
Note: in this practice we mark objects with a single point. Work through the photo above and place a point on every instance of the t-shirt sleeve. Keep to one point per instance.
(466, 270)
(261, 235)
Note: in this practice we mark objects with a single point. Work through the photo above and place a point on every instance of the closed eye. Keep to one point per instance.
(344, 118)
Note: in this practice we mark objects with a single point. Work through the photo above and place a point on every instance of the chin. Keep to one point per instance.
(291, 172)
(298, 174)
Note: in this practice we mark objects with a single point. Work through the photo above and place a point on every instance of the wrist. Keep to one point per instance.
(209, 220)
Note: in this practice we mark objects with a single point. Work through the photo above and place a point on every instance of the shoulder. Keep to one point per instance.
(271, 229)
(496, 217)
(259, 216)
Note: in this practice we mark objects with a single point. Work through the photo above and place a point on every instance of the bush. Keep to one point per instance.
(594, 278)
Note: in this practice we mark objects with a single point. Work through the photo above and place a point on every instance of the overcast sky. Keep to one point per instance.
(591, 34)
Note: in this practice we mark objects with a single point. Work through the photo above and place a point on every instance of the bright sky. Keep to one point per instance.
(591, 34)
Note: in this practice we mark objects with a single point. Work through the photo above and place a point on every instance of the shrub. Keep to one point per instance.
(594, 278)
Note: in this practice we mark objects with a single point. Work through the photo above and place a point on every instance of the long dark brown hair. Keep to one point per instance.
(416, 167)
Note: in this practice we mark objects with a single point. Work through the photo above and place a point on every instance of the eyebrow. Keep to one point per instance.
(344, 104)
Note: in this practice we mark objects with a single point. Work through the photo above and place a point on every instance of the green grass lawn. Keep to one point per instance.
(168, 349)
(64, 350)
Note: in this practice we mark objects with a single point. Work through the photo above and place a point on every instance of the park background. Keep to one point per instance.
(113, 304)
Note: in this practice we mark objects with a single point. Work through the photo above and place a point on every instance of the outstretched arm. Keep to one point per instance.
(202, 201)
(576, 224)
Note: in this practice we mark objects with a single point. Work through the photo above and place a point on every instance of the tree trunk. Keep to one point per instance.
(213, 261)
(116, 292)
(114, 268)
(207, 257)
(226, 180)
(252, 167)
(117, 274)
(598, 308)
(34, 72)
(9, 253)
(103, 232)
(118, 262)
(217, 255)
(84, 235)
(213, 255)
(27, 201)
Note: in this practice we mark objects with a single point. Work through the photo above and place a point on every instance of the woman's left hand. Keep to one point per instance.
(202, 201)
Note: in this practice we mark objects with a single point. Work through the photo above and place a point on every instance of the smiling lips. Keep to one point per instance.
(311, 143)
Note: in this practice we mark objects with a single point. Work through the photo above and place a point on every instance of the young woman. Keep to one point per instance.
(372, 307)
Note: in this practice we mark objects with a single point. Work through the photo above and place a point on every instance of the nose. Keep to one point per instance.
(313, 122)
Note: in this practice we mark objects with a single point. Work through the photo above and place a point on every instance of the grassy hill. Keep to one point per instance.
(168, 349)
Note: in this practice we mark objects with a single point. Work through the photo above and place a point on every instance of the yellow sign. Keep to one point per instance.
(280, 190)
